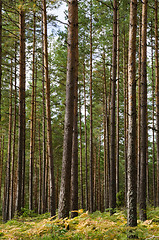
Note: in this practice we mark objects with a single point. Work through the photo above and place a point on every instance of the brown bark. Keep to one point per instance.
(112, 183)
(91, 120)
(74, 165)
(12, 203)
(142, 192)
(117, 116)
(106, 139)
(48, 114)
(43, 131)
(125, 116)
(40, 175)
(153, 121)
(8, 170)
(81, 157)
(85, 125)
(21, 109)
(31, 165)
(132, 163)
(157, 95)
(139, 113)
(72, 65)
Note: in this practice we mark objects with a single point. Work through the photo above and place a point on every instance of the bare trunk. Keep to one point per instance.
(74, 166)
(132, 163)
(157, 94)
(112, 183)
(91, 120)
(153, 122)
(72, 66)
(81, 157)
(48, 114)
(21, 110)
(85, 125)
(117, 120)
(8, 170)
(31, 176)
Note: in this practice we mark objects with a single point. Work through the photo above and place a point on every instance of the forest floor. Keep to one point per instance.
(85, 226)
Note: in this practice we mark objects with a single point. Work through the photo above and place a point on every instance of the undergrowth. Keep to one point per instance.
(86, 226)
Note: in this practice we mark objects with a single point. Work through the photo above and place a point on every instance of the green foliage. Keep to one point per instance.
(86, 226)
(120, 197)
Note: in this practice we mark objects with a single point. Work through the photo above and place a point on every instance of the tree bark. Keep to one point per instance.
(8, 170)
(132, 164)
(153, 121)
(74, 165)
(31, 165)
(21, 109)
(112, 183)
(72, 65)
(91, 120)
(157, 94)
(81, 157)
(142, 191)
(48, 114)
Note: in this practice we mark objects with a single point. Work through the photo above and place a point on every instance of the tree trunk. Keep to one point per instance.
(157, 94)
(21, 109)
(48, 114)
(91, 120)
(142, 191)
(106, 139)
(139, 115)
(85, 125)
(8, 170)
(81, 157)
(153, 121)
(12, 206)
(72, 66)
(74, 165)
(117, 116)
(125, 116)
(112, 183)
(31, 172)
(40, 175)
(132, 164)
(43, 131)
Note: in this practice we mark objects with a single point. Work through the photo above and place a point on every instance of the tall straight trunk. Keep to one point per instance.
(40, 174)
(85, 126)
(106, 139)
(31, 165)
(81, 157)
(21, 109)
(8, 170)
(95, 178)
(99, 179)
(1, 170)
(153, 120)
(139, 114)
(91, 119)
(132, 164)
(35, 187)
(72, 66)
(157, 94)
(57, 187)
(0, 62)
(43, 131)
(142, 192)
(74, 165)
(125, 115)
(117, 116)
(14, 142)
(112, 183)
(48, 114)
